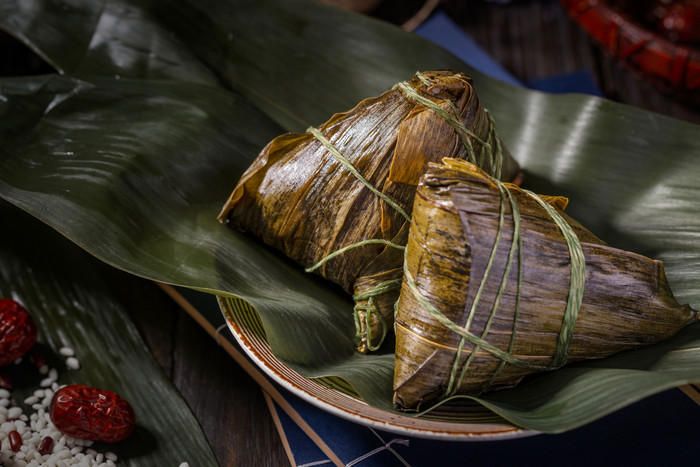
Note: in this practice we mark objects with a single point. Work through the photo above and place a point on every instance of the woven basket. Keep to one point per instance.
(672, 68)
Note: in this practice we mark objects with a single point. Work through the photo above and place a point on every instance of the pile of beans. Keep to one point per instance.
(31, 438)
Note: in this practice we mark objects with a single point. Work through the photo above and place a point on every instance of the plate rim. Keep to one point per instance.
(356, 410)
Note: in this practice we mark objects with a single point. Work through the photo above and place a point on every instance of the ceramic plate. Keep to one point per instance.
(463, 422)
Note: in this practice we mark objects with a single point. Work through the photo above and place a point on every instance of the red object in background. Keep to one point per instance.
(681, 21)
(621, 30)
(89, 413)
(17, 331)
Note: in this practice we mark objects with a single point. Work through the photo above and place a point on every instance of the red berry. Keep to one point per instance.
(17, 331)
(90, 413)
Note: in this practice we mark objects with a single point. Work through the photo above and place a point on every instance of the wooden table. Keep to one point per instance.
(533, 39)
(536, 39)
(229, 405)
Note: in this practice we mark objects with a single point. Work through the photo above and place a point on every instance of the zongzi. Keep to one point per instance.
(337, 199)
(500, 283)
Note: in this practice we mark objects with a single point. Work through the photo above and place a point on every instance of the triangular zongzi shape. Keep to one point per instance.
(338, 198)
(499, 283)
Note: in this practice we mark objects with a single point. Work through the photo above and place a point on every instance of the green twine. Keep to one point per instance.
(350, 247)
(576, 289)
(453, 374)
(348, 165)
(423, 79)
(494, 155)
(370, 309)
(495, 163)
(449, 324)
(576, 283)
(516, 242)
(382, 287)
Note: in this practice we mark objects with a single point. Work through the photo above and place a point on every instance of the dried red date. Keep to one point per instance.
(17, 331)
(89, 413)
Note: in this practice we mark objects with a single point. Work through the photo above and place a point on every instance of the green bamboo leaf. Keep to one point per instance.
(65, 292)
(584, 392)
(115, 39)
(134, 170)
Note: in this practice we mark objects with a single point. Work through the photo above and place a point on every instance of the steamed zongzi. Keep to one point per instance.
(509, 285)
(338, 198)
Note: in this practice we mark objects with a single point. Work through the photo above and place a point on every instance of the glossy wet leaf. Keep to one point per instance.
(66, 293)
(135, 169)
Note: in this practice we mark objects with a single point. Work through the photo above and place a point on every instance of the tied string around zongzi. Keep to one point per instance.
(488, 152)
(490, 157)
(384, 287)
(573, 304)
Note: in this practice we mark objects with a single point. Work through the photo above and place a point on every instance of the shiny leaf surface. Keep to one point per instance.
(66, 293)
(135, 169)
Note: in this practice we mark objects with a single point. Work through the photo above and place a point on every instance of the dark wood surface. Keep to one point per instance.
(532, 39)
(537, 39)
(228, 404)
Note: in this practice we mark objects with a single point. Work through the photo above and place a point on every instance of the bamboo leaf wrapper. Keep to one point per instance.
(337, 199)
(501, 290)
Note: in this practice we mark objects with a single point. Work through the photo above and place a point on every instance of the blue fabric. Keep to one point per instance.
(657, 431)
(304, 450)
(348, 440)
(579, 81)
(441, 30)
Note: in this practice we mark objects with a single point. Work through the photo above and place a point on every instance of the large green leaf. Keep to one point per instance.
(134, 169)
(115, 39)
(65, 292)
